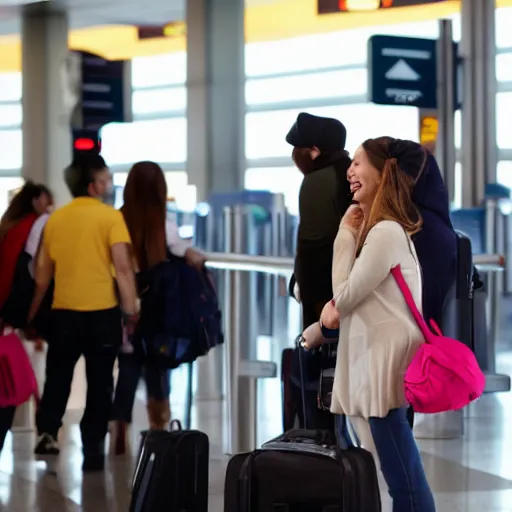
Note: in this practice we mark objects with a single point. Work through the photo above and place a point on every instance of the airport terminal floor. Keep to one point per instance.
(472, 474)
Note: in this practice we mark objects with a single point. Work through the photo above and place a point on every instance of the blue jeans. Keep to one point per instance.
(400, 461)
(131, 369)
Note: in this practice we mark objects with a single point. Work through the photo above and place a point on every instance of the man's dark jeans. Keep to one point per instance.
(96, 335)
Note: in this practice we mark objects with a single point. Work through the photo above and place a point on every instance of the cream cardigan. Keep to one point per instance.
(378, 336)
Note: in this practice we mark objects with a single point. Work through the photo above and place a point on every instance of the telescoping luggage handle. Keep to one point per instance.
(175, 426)
(300, 348)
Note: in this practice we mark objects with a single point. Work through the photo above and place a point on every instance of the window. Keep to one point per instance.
(503, 116)
(10, 86)
(504, 173)
(10, 114)
(457, 193)
(8, 186)
(161, 140)
(504, 67)
(331, 84)
(457, 129)
(159, 70)
(266, 131)
(503, 22)
(279, 180)
(320, 51)
(170, 99)
(10, 149)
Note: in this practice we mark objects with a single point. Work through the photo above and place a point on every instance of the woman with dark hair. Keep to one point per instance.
(378, 336)
(154, 238)
(17, 225)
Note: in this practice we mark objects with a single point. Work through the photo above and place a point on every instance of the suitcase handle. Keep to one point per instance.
(175, 426)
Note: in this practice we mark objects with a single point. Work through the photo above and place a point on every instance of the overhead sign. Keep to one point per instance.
(402, 71)
(174, 29)
(103, 90)
(330, 6)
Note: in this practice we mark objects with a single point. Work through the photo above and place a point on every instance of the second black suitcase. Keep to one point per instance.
(172, 471)
(302, 471)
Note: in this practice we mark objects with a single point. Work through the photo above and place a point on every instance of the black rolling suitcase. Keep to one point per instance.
(302, 471)
(172, 471)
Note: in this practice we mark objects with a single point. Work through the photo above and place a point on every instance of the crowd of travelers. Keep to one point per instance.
(360, 216)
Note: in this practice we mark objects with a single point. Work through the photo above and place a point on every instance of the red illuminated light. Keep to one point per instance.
(84, 144)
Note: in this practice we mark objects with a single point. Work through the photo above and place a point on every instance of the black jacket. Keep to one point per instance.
(323, 200)
(436, 243)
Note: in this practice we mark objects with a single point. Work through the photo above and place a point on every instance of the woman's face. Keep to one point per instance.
(43, 204)
(363, 177)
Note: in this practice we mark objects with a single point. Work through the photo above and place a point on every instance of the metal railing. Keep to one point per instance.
(240, 371)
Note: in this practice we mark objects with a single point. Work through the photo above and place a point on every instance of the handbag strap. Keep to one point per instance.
(396, 272)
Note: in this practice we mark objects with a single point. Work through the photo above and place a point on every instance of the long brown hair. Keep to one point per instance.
(22, 204)
(145, 211)
(393, 199)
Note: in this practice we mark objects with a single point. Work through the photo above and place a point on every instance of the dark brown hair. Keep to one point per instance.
(393, 200)
(145, 211)
(22, 204)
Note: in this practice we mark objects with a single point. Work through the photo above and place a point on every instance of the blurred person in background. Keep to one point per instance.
(155, 239)
(319, 153)
(82, 242)
(19, 226)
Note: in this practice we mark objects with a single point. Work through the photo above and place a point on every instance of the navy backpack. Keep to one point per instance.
(180, 314)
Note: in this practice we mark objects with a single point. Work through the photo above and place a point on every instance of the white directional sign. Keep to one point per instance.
(402, 71)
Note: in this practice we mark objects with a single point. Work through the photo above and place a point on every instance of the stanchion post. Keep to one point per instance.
(241, 391)
(491, 246)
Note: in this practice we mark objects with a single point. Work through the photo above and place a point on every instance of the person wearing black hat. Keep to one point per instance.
(319, 153)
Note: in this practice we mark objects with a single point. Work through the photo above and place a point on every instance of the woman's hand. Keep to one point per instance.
(353, 218)
(330, 316)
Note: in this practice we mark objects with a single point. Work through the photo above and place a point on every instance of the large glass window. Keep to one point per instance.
(279, 180)
(504, 173)
(169, 99)
(10, 86)
(503, 120)
(160, 140)
(504, 67)
(8, 187)
(266, 131)
(503, 23)
(330, 84)
(10, 149)
(322, 51)
(159, 70)
(10, 114)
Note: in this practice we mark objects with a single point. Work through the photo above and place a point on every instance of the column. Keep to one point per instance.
(215, 95)
(478, 49)
(46, 132)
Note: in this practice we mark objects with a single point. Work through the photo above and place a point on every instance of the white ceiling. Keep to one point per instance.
(87, 13)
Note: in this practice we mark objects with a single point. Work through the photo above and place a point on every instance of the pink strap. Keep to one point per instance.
(396, 272)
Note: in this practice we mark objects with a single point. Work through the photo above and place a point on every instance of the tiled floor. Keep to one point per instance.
(473, 474)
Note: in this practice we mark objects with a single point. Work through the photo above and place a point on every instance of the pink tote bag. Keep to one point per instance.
(18, 381)
(444, 374)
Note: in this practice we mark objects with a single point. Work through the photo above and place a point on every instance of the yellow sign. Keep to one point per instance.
(175, 29)
(429, 128)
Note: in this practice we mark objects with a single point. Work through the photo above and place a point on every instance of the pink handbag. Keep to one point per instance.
(444, 374)
(18, 381)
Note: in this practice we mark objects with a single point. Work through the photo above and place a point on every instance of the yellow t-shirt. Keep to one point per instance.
(78, 239)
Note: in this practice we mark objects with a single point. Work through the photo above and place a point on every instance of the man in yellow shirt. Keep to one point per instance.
(82, 241)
